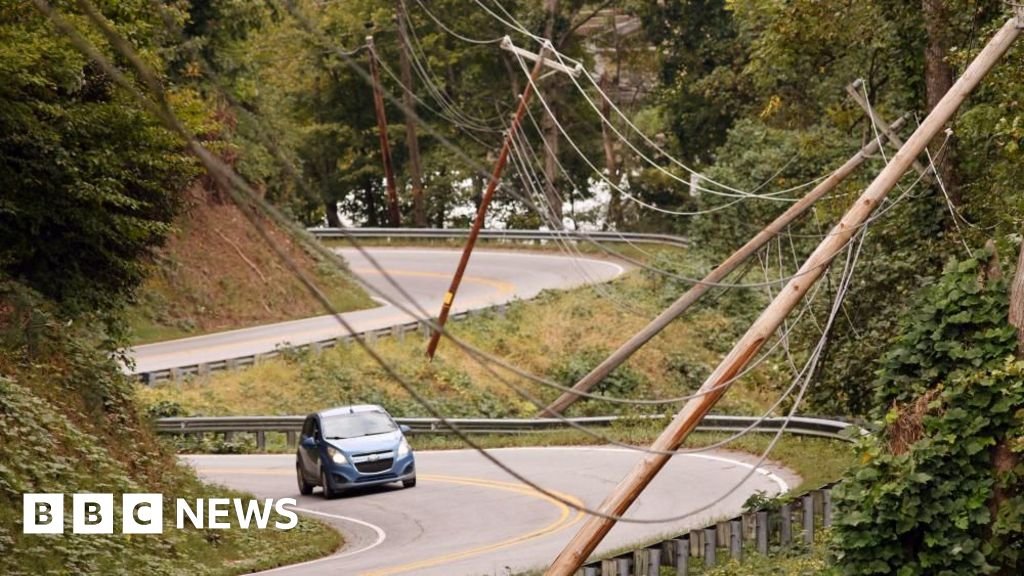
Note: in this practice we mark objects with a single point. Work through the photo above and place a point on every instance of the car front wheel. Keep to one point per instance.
(329, 492)
(305, 488)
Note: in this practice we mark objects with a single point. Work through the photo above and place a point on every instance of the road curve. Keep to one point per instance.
(493, 277)
(466, 517)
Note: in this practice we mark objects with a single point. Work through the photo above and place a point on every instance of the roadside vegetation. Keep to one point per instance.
(215, 273)
(559, 335)
(68, 423)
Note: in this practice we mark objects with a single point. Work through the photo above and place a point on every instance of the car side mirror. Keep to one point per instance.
(308, 442)
(404, 428)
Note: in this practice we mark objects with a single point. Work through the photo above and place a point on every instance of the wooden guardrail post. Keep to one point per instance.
(736, 539)
(808, 504)
(762, 532)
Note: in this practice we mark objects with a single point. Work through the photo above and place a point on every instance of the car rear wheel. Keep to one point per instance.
(329, 492)
(410, 483)
(305, 488)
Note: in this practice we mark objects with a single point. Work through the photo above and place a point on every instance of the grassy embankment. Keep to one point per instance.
(559, 335)
(69, 423)
(215, 273)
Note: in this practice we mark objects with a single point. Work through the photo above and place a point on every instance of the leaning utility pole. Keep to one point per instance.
(715, 276)
(895, 141)
(596, 527)
(394, 216)
(419, 211)
(485, 201)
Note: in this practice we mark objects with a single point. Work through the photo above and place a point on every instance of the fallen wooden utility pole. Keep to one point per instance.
(394, 216)
(596, 527)
(485, 201)
(601, 371)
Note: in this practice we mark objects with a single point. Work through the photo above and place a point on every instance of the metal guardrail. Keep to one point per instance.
(290, 425)
(505, 235)
(777, 526)
(397, 331)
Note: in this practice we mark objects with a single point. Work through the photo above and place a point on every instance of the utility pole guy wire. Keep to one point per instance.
(618, 502)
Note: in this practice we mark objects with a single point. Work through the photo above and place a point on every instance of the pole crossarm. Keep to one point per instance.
(719, 273)
(575, 71)
(622, 497)
(895, 141)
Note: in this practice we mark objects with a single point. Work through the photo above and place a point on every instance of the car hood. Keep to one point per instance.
(362, 444)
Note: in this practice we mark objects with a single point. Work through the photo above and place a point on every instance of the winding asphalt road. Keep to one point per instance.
(493, 277)
(467, 518)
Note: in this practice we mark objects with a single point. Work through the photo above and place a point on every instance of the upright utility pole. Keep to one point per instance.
(596, 527)
(719, 273)
(412, 143)
(485, 201)
(394, 216)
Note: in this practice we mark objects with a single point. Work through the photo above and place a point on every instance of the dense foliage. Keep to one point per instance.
(89, 181)
(925, 500)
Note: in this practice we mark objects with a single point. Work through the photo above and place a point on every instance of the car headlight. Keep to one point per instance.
(403, 448)
(337, 455)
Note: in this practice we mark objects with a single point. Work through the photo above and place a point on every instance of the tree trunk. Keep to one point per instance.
(610, 161)
(1017, 302)
(412, 143)
(551, 135)
(331, 208)
(938, 78)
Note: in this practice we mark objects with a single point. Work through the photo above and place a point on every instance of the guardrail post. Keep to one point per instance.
(710, 545)
(826, 507)
(736, 539)
(682, 549)
(591, 570)
(230, 364)
(202, 369)
(229, 436)
(786, 527)
(175, 374)
(289, 438)
(316, 348)
(762, 532)
(624, 566)
(398, 332)
(261, 441)
(147, 378)
(808, 504)
(370, 337)
(654, 562)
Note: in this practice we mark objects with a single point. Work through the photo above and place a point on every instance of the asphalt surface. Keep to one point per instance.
(493, 277)
(467, 518)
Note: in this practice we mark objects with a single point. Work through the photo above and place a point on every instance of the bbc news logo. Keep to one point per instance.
(144, 513)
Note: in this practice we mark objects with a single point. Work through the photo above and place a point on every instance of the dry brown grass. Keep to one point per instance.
(215, 273)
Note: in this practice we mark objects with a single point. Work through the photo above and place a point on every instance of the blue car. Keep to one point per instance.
(352, 447)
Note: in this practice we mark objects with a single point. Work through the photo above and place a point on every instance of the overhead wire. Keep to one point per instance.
(249, 202)
(229, 181)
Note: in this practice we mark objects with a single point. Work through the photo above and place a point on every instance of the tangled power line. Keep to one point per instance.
(254, 206)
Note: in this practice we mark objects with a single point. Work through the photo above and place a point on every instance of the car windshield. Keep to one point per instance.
(357, 424)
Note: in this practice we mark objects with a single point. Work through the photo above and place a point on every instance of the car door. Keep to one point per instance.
(309, 452)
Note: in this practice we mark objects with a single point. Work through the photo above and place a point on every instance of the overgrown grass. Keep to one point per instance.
(559, 336)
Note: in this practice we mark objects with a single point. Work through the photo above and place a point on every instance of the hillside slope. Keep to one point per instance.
(216, 273)
(68, 423)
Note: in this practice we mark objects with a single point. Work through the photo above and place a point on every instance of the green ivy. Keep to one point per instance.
(960, 327)
(923, 500)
